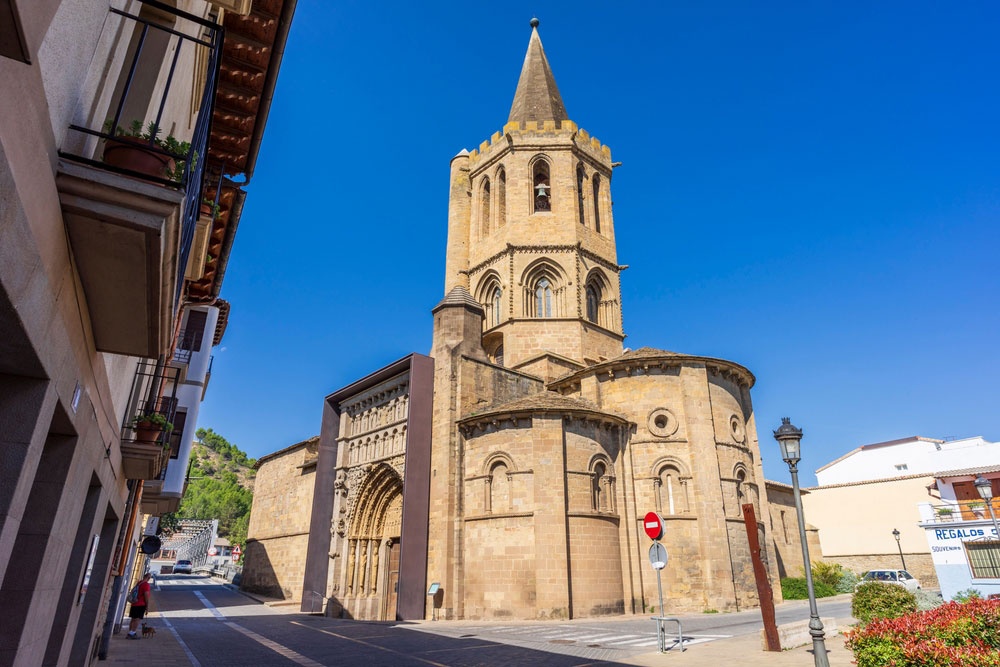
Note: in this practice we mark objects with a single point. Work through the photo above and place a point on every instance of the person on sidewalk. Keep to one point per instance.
(137, 610)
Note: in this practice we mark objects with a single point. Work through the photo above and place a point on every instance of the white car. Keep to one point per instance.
(898, 577)
(182, 566)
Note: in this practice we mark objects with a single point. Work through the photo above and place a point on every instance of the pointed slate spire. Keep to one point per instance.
(537, 96)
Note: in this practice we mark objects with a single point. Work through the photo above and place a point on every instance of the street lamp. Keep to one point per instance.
(895, 533)
(789, 439)
(985, 488)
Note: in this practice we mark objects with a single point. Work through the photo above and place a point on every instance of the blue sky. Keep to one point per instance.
(809, 189)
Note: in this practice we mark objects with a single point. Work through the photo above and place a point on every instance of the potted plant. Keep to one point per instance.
(209, 207)
(142, 150)
(944, 513)
(149, 425)
(977, 508)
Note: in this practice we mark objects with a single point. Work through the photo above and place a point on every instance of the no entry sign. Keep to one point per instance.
(653, 525)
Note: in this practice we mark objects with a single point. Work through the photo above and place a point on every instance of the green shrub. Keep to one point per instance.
(875, 599)
(848, 582)
(795, 588)
(966, 595)
(926, 600)
(828, 573)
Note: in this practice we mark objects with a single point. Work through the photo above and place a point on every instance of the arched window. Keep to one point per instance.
(597, 203)
(581, 180)
(499, 488)
(497, 309)
(593, 302)
(541, 190)
(501, 198)
(484, 202)
(598, 493)
(498, 355)
(543, 298)
(671, 491)
(490, 294)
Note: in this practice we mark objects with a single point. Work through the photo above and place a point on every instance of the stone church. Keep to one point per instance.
(506, 474)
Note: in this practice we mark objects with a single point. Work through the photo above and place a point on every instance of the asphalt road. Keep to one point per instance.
(218, 626)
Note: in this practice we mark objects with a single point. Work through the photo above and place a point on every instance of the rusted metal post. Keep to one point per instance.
(764, 593)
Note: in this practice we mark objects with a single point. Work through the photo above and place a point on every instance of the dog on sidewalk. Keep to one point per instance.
(148, 631)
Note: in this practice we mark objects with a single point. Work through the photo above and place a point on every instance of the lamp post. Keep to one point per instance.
(985, 488)
(895, 533)
(789, 439)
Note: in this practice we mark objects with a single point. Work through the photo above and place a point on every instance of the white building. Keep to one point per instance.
(961, 532)
(874, 490)
(915, 455)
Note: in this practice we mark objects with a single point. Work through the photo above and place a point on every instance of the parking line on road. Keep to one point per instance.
(177, 636)
(364, 643)
(281, 650)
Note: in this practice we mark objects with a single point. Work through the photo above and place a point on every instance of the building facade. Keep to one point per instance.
(127, 131)
(883, 487)
(506, 475)
(961, 531)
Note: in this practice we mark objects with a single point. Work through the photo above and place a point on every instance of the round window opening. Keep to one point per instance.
(662, 423)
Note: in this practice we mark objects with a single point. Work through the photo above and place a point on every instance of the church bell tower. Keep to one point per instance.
(531, 233)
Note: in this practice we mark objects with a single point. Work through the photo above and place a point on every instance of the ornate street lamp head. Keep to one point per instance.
(895, 533)
(790, 440)
(985, 488)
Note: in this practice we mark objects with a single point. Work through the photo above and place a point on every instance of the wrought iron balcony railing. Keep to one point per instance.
(155, 82)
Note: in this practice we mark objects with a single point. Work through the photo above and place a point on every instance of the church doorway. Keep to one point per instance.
(374, 547)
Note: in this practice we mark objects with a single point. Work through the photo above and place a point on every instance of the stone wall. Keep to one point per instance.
(274, 561)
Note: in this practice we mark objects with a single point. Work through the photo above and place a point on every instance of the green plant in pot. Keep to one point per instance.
(149, 425)
(944, 512)
(209, 207)
(143, 150)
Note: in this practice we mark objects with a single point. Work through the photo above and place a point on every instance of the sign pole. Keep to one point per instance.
(659, 586)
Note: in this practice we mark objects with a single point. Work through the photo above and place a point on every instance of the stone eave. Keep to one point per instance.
(542, 404)
(657, 359)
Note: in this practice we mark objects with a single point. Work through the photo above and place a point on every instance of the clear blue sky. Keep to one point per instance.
(809, 189)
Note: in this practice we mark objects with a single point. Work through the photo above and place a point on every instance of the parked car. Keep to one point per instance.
(182, 567)
(897, 577)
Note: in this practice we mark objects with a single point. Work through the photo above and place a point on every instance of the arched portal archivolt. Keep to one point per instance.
(374, 532)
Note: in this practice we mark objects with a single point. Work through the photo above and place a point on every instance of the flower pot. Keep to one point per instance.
(147, 432)
(136, 155)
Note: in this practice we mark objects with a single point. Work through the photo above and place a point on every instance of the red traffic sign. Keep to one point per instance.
(213, 552)
(237, 550)
(653, 525)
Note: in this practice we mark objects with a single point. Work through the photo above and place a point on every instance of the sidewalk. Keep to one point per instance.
(160, 650)
(745, 651)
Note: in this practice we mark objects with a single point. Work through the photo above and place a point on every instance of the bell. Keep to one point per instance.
(543, 190)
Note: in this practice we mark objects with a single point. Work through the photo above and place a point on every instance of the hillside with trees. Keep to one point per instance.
(220, 487)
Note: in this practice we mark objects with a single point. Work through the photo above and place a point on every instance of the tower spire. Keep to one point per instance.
(537, 96)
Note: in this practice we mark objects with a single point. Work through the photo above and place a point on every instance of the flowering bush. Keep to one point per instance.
(953, 635)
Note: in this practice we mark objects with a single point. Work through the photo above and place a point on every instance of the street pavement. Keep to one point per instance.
(203, 622)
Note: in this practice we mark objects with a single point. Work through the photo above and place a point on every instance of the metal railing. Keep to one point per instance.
(188, 33)
(154, 391)
(949, 511)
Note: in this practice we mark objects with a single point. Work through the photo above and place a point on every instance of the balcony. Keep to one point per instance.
(955, 511)
(132, 222)
(145, 442)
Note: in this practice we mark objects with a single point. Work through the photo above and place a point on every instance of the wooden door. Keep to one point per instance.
(392, 582)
